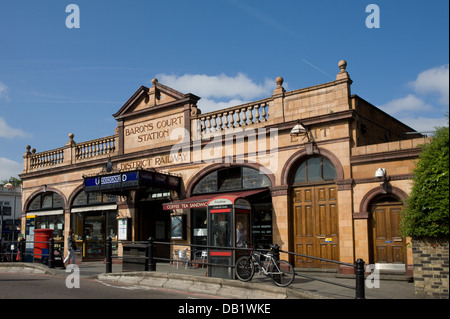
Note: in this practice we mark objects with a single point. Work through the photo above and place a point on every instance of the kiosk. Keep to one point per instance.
(228, 226)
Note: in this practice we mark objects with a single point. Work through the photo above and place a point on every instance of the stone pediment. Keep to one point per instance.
(158, 97)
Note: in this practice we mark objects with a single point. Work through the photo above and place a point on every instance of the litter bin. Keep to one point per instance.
(134, 257)
(41, 239)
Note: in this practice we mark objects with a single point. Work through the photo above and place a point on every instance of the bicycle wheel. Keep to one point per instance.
(245, 269)
(283, 273)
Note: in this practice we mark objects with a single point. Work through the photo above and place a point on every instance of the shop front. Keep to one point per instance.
(248, 210)
(93, 219)
(140, 191)
(44, 211)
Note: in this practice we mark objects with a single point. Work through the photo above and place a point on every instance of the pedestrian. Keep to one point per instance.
(71, 246)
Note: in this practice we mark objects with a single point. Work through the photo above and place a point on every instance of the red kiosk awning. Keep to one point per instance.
(202, 200)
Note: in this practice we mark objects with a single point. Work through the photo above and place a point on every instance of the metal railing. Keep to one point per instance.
(19, 253)
(16, 251)
(150, 263)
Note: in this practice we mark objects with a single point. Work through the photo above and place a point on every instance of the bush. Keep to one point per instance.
(426, 212)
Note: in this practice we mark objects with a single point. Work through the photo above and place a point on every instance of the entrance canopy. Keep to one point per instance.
(115, 183)
(202, 200)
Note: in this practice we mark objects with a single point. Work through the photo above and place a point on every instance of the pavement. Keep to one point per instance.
(307, 284)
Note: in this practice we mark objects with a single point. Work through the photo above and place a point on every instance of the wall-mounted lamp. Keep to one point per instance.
(381, 175)
(44, 188)
(300, 129)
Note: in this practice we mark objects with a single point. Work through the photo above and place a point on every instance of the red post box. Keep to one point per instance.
(41, 238)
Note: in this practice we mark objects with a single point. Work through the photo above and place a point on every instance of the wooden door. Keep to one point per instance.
(388, 244)
(315, 219)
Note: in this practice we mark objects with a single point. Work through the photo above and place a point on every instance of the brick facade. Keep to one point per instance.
(431, 269)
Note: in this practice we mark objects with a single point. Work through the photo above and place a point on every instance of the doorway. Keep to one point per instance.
(315, 230)
(94, 235)
(388, 246)
(154, 222)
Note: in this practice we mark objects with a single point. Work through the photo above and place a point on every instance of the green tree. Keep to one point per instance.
(16, 182)
(426, 212)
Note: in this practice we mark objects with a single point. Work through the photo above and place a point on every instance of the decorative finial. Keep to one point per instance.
(342, 65)
(279, 89)
(279, 80)
(154, 81)
(71, 142)
(27, 153)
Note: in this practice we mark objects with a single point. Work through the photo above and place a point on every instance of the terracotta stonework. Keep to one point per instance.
(162, 129)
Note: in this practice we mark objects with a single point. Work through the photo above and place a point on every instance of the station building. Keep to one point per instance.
(322, 173)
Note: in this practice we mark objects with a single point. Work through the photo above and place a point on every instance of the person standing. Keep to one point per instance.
(71, 246)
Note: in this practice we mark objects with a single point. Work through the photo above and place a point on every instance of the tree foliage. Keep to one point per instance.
(426, 212)
(16, 182)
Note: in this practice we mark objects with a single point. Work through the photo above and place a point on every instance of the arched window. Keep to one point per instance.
(45, 201)
(84, 198)
(315, 169)
(234, 178)
(47, 211)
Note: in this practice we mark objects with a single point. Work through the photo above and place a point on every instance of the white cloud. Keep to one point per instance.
(3, 91)
(219, 91)
(422, 124)
(419, 109)
(9, 168)
(9, 132)
(435, 80)
(409, 103)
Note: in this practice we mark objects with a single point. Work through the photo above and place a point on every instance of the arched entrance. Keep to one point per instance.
(387, 244)
(315, 212)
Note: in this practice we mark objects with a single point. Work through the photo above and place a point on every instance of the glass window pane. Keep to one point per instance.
(95, 198)
(300, 175)
(47, 200)
(329, 172)
(220, 230)
(207, 185)
(229, 179)
(252, 178)
(57, 201)
(35, 203)
(111, 224)
(81, 199)
(314, 169)
(109, 198)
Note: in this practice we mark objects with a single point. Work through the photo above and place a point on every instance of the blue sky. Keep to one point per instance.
(55, 80)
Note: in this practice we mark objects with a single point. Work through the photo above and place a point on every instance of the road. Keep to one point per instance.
(37, 286)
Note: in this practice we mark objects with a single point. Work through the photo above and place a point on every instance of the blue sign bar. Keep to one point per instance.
(128, 180)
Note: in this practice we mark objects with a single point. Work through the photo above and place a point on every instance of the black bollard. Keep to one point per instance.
(151, 254)
(51, 253)
(360, 284)
(108, 256)
(276, 252)
(22, 249)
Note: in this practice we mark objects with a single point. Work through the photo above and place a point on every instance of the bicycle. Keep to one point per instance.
(281, 271)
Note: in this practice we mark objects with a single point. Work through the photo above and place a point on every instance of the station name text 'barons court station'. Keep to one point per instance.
(318, 171)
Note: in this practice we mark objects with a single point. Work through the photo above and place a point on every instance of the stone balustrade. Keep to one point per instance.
(237, 116)
(98, 147)
(71, 153)
(48, 158)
